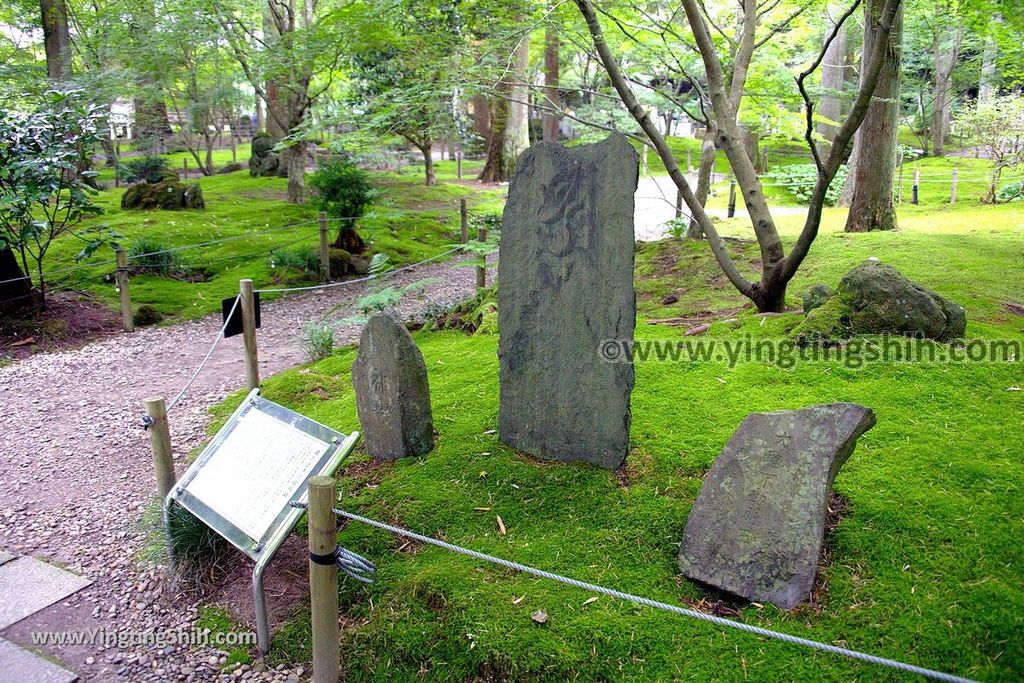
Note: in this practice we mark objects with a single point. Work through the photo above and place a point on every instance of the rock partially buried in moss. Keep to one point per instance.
(816, 296)
(874, 298)
(339, 262)
(263, 160)
(757, 527)
(147, 315)
(168, 194)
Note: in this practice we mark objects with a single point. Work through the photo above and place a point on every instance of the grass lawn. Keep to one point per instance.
(926, 564)
(409, 221)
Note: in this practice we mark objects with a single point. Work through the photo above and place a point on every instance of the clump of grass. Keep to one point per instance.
(150, 255)
(317, 340)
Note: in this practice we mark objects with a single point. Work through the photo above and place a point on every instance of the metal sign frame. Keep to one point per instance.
(261, 550)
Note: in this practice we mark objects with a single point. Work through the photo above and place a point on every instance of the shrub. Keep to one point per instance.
(799, 180)
(149, 255)
(151, 169)
(147, 315)
(302, 259)
(1011, 192)
(317, 340)
(343, 190)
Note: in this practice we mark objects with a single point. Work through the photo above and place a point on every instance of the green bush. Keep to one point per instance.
(343, 190)
(149, 255)
(146, 315)
(799, 180)
(151, 169)
(302, 259)
(1011, 192)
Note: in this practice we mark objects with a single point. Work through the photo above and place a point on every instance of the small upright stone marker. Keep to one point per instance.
(566, 274)
(757, 527)
(392, 394)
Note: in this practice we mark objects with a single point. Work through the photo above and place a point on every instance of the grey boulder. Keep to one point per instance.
(757, 527)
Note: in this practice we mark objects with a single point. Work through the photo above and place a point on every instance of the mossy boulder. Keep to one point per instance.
(874, 298)
(340, 263)
(264, 161)
(167, 194)
(816, 296)
(230, 168)
(147, 315)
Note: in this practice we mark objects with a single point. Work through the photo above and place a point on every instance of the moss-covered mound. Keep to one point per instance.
(874, 298)
(167, 194)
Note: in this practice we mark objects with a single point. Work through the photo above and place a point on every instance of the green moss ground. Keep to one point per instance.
(409, 221)
(926, 563)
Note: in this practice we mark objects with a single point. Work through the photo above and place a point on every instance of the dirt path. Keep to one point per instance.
(76, 472)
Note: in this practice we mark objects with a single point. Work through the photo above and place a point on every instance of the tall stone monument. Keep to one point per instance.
(758, 524)
(392, 394)
(566, 285)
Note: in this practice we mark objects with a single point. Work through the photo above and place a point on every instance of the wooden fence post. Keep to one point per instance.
(234, 148)
(464, 220)
(732, 198)
(323, 579)
(952, 188)
(184, 168)
(481, 271)
(248, 305)
(325, 249)
(122, 291)
(117, 164)
(160, 442)
(917, 181)
(689, 161)
(458, 164)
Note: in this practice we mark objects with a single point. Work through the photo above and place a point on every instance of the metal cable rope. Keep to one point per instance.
(361, 279)
(185, 247)
(718, 621)
(220, 335)
(62, 270)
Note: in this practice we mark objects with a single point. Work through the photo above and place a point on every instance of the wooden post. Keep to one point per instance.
(122, 291)
(689, 161)
(160, 442)
(645, 149)
(464, 220)
(458, 164)
(325, 249)
(764, 161)
(732, 198)
(917, 181)
(481, 271)
(323, 579)
(952, 187)
(248, 305)
(679, 203)
(117, 164)
(184, 167)
(899, 193)
(234, 149)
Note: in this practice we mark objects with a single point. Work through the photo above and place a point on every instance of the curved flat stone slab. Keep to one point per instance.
(758, 524)
(566, 274)
(27, 585)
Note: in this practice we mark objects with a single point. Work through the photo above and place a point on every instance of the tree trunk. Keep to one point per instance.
(553, 97)
(428, 164)
(494, 170)
(56, 39)
(704, 171)
(945, 61)
(871, 207)
(482, 118)
(832, 79)
(517, 125)
(294, 157)
(15, 286)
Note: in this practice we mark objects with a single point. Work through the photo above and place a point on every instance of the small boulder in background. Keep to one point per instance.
(167, 194)
(874, 298)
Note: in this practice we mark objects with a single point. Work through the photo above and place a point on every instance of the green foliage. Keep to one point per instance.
(149, 168)
(149, 255)
(317, 340)
(1010, 192)
(300, 259)
(677, 227)
(343, 190)
(146, 315)
(799, 180)
(44, 190)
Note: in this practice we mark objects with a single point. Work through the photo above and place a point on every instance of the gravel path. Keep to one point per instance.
(76, 470)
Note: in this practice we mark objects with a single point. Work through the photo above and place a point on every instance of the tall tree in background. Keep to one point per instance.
(833, 76)
(874, 151)
(552, 96)
(56, 39)
(946, 42)
(777, 267)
